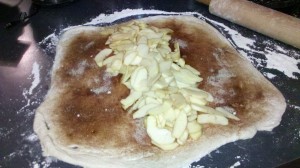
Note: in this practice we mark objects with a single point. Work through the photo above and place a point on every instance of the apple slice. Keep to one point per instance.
(179, 125)
(138, 79)
(158, 135)
(212, 119)
(102, 55)
(143, 111)
(133, 97)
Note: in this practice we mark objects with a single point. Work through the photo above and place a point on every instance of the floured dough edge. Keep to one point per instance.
(180, 157)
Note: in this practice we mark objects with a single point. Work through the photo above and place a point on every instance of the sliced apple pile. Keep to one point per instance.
(163, 89)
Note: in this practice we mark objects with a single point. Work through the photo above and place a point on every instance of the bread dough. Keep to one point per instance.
(81, 120)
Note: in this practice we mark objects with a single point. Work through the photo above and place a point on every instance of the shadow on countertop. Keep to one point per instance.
(11, 50)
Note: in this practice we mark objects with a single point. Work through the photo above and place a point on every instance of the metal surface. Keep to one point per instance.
(22, 89)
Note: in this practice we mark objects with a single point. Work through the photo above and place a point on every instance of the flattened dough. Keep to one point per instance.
(81, 120)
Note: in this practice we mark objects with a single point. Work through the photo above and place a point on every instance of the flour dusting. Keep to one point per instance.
(106, 85)
(80, 68)
(36, 77)
(236, 164)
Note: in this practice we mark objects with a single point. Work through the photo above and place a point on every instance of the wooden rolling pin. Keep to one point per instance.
(264, 20)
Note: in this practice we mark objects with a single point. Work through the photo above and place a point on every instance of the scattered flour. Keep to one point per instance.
(79, 70)
(295, 107)
(106, 87)
(36, 77)
(283, 63)
(236, 164)
(218, 81)
(276, 57)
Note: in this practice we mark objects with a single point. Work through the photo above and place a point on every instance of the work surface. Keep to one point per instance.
(27, 52)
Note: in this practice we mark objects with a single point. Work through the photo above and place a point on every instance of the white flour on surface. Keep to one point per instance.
(35, 75)
(236, 164)
(274, 57)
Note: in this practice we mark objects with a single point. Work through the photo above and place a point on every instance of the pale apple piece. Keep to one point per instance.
(143, 111)
(114, 44)
(161, 121)
(193, 127)
(186, 76)
(138, 79)
(196, 135)
(197, 93)
(183, 138)
(142, 25)
(102, 55)
(166, 37)
(150, 94)
(146, 32)
(181, 62)
(227, 113)
(212, 119)
(166, 146)
(109, 60)
(129, 57)
(197, 101)
(127, 73)
(153, 80)
(193, 70)
(163, 50)
(160, 84)
(160, 109)
(173, 84)
(178, 100)
(169, 124)
(172, 89)
(138, 104)
(151, 100)
(156, 55)
(187, 109)
(169, 79)
(142, 50)
(142, 40)
(116, 65)
(165, 66)
(152, 67)
(111, 72)
(175, 67)
(179, 125)
(209, 110)
(124, 47)
(152, 43)
(200, 108)
(166, 30)
(136, 61)
(176, 52)
(192, 117)
(183, 85)
(167, 74)
(142, 103)
(119, 36)
(162, 94)
(129, 100)
(127, 29)
(159, 135)
(170, 116)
